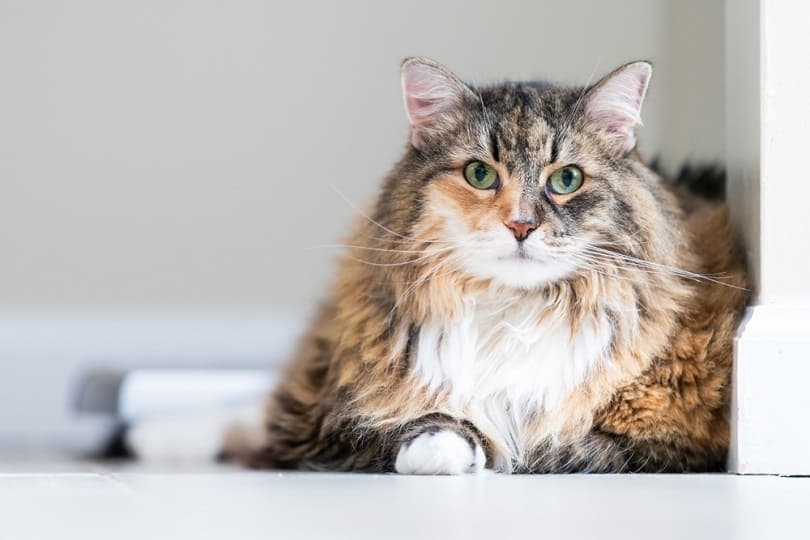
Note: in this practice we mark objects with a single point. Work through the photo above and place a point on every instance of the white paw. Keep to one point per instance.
(439, 452)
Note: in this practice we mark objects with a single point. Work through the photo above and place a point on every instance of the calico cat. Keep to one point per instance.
(525, 295)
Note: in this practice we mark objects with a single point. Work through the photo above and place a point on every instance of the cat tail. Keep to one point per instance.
(705, 180)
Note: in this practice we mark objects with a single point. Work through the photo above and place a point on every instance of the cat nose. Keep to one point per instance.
(521, 228)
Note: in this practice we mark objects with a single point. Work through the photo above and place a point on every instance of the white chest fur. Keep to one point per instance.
(501, 362)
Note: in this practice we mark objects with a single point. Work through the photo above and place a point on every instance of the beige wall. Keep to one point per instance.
(179, 155)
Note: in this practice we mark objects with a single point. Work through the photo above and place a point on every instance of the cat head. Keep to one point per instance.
(520, 184)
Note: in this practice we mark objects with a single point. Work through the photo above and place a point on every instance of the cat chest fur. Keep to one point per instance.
(499, 363)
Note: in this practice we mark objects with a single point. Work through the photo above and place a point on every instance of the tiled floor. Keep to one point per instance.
(42, 499)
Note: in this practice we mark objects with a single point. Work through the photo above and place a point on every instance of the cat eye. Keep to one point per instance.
(481, 176)
(566, 180)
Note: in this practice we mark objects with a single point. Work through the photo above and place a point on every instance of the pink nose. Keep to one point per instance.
(521, 228)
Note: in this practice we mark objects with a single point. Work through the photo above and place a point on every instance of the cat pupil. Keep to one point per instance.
(480, 173)
(567, 177)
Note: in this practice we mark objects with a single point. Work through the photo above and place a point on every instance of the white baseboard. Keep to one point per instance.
(43, 358)
(771, 403)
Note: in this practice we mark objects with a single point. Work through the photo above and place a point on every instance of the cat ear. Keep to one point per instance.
(614, 103)
(432, 94)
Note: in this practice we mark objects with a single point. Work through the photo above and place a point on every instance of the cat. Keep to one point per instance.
(526, 295)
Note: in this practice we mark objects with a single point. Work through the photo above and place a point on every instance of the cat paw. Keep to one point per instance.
(440, 452)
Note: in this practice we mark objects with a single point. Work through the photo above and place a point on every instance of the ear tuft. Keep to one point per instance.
(614, 103)
(431, 93)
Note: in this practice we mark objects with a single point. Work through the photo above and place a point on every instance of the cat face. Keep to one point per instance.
(519, 182)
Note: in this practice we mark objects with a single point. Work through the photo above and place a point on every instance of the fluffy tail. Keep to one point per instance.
(704, 180)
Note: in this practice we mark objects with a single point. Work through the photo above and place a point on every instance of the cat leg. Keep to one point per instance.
(432, 444)
(438, 444)
(595, 452)
(604, 452)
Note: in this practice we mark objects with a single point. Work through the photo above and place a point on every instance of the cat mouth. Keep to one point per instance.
(518, 255)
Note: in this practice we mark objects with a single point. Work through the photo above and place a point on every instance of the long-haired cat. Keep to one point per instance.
(525, 295)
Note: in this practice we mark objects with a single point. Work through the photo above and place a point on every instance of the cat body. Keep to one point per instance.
(526, 295)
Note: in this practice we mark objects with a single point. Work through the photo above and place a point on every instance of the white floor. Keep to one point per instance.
(84, 500)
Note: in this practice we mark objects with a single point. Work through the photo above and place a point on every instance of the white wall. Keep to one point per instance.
(784, 190)
(743, 115)
(691, 82)
(767, 118)
(179, 155)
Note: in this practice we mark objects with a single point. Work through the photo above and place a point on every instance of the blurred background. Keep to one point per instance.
(168, 169)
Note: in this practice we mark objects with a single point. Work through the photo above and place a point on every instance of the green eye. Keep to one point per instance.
(566, 180)
(481, 176)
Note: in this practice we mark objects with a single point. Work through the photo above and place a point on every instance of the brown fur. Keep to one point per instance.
(349, 399)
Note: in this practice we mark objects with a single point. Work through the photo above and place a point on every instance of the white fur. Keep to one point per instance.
(441, 452)
(494, 254)
(503, 359)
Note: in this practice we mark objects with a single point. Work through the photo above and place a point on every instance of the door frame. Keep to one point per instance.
(767, 128)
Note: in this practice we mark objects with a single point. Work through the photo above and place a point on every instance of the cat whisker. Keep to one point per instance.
(393, 264)
(618, 263)
(592, 241)
(628, 265)
(654, 267)
(569, 119)
(425, 255)
(593, 266)
(409, 241)
(643, 262)
(370, 220)
(591, 260)
(386, 250)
